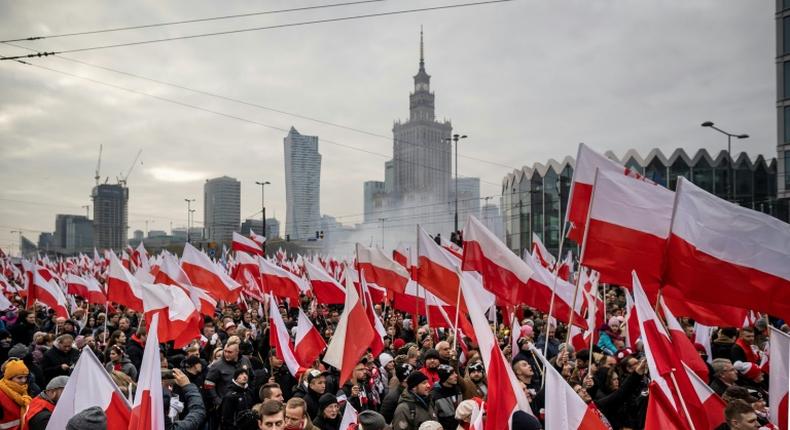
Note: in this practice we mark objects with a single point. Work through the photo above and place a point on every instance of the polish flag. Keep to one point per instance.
(565, 270)
(565, 410)
(325, 288)
(437, 269)
(241, 243)
(281, 282)
(452, 248)
(504, 274)
(122, 287)
(406, 257)
(49, 293)
(148, 409)
(711, 402)
(665, 366)
(260, 240)
(505, 395)
(724, 253)
(377, 345)
(171, 273)
(537, 293)
(582, 339)
(352, 337)
(349, 420)
(380, 269)
(778, 378)
(308, 344)
(280, 340)
(179, 319)
(632, 332)
(684, 348)
(587, 162)
(661, 412)
(206, 274)
(247, 272)
(89, 372)
(541, 253)
(628, 229)
(86, 287)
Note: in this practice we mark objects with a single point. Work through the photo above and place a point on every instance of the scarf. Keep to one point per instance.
(17, 393)
(748, 351)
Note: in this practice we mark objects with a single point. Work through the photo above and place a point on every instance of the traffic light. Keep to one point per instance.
(322, 234)
(316, 234)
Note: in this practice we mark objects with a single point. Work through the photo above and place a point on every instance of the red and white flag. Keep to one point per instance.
(778, 378)
(122, 287)
(724, 253)
(325, 288)
(349, 420)
(148, 411)
(541, 253)
(280, 340)
(437, 269)
(179, 319)
(537, 293)
(89, 372)
(505, 395)
(683, 346)
(49, 293)
(504, 274)
(206, 274)
(260, 240)
(565, 410)
(352, 337)
(171, 273)
(241, 243)
(380, 269)
(86, 287)
(377, 345)
(308, 343)
(587, 162)
(280, 282)
(711, 402)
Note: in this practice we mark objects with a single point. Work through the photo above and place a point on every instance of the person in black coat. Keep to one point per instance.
(312, 391)
(238, 397)
(60, 359)
(25, 327)
(135, 347)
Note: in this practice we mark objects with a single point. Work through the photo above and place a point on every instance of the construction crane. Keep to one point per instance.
(122, 181)
(98, 166)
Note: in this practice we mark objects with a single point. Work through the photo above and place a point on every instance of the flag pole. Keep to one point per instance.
(457, 309)
(682, 401)
(554, 282)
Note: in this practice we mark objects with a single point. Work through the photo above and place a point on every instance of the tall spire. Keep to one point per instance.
(422, 57)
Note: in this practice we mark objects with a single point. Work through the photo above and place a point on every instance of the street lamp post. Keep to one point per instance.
(729, 153)
(263, 185)
(455, 138)
(189, 212)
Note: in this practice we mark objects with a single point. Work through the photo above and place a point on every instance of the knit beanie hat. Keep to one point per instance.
(444, 372)
(14, 368)
(92, 418)
(18, 351)
(415, 379)
(431, 353)
(402, 371)
(398, 343)
(57, 382)
(385, 359)
(326, 400)
(370, 420)
(430, 425)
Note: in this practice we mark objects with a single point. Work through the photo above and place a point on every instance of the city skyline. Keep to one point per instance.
(520, 99)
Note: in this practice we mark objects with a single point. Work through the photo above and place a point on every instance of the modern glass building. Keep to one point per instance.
(534, 199)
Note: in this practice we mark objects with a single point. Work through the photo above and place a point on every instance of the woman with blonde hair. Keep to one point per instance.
(13, 393)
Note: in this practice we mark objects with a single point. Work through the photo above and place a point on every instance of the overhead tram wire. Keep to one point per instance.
(252, 104)
(226, 115)
(268, 27)
(192, 21)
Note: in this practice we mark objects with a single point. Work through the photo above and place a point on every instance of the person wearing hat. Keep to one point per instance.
(431, 362)
(370, 420)
(329, 416)
(221, 374)
(415, 405)
(40, 409)
(390, 402)
(446, 396)
(311, 390)
(92, 418)
(474, 384)
(14, 399)
(239, 397)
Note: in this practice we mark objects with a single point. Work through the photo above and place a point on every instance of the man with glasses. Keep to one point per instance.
(724, 375)
(296, 415)
(475, 382)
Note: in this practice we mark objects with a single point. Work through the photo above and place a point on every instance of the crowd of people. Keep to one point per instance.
(230, 378)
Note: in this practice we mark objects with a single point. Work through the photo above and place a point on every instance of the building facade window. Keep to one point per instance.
(702, 175)
(786, 35)
(786, 80)
(786, 124)
(787, 169)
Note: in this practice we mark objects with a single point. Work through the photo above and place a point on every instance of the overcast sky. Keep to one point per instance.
(526, 80)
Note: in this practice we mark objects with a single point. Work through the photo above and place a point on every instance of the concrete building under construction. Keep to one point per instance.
(110, 216)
